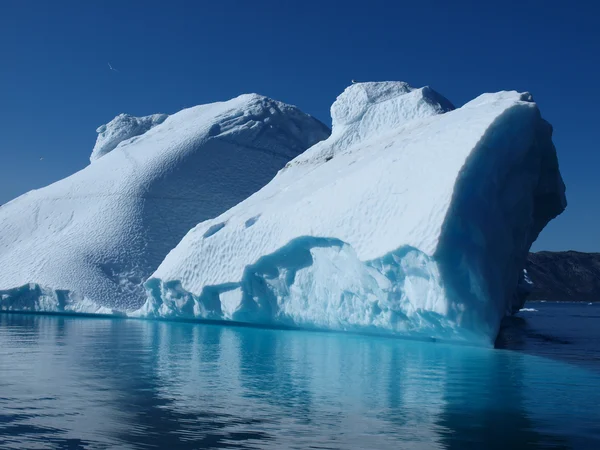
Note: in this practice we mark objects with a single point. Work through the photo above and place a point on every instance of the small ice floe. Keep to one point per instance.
(528, 310)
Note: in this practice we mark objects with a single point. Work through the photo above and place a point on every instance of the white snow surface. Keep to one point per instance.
(412, 219)
(88, 242)
(119, 130)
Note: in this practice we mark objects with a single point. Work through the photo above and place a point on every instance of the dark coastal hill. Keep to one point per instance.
(565, 276)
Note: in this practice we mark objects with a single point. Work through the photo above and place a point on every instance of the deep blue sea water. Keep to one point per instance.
(97, 383)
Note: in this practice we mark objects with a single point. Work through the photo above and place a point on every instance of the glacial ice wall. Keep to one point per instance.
(412, 218)
(87, 243)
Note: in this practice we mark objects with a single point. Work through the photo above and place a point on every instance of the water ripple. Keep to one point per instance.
(73, 383)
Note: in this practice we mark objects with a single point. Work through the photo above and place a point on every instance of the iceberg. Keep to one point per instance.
(413, 218)
(88, 242)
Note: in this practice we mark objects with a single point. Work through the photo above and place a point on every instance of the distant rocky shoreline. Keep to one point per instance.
(564, 276)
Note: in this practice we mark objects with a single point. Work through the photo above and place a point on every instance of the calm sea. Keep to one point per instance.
(97, 383)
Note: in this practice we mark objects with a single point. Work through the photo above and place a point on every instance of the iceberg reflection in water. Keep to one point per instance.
(69, 382)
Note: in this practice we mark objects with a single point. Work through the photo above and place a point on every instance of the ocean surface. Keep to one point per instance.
(98, 383)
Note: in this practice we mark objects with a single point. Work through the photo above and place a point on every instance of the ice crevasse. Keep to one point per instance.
(88, 242)
(413, 218)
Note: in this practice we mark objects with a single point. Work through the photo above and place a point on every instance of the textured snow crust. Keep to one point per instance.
(120, 129)
(412, 218)
(88, 242)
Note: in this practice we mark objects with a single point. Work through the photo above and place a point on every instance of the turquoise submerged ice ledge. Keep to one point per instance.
(412, 219)
(320, 283)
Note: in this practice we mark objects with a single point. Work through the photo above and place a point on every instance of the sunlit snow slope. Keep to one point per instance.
(412, 218)
(88, 242)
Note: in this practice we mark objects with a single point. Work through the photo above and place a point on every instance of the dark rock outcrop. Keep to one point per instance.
(564, 276)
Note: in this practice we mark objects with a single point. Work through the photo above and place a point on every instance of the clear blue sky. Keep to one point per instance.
(56, 88)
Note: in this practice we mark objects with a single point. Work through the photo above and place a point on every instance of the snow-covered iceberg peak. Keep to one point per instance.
(367, 110)
(88, 242)
(405, 221)
(390, 102)
(120, 129)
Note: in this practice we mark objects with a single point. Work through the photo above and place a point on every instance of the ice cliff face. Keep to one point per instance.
(88, 242)
(412, 218)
